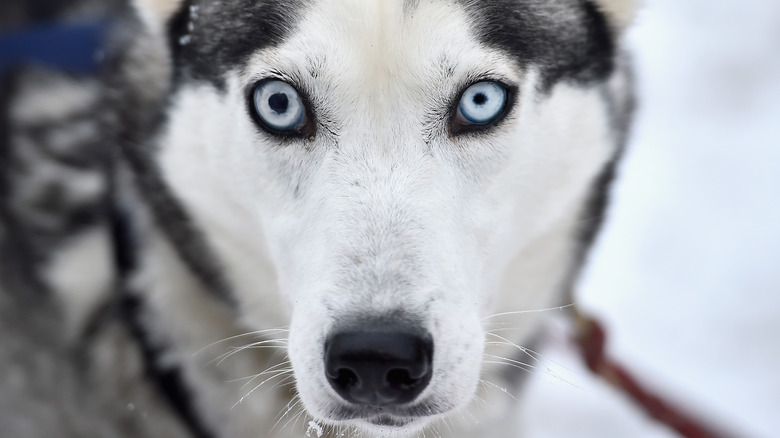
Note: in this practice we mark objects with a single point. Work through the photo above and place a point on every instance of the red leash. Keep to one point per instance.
(591, 339)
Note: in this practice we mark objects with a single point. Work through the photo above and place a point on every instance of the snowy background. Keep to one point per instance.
(687, 272)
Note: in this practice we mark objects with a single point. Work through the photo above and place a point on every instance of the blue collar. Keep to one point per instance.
(73, 48)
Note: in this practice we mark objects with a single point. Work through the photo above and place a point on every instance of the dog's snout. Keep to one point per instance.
(379, 368)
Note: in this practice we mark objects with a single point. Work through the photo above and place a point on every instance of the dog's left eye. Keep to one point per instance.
(481, 103)
(279, 107)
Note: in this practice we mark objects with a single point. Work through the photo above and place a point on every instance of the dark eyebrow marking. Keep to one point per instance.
(570, 41)
(204, 48)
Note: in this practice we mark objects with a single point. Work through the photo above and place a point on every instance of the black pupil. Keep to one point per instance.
(279, 103)
(480, 98)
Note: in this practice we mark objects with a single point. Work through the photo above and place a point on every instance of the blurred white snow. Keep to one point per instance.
(687, 271)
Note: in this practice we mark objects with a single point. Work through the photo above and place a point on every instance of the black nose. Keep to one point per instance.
(378, 368)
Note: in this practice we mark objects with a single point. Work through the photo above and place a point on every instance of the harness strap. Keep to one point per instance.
(591, 338)
(74, 48)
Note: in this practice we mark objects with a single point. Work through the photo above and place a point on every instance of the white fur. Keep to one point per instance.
(81, 274)
(390, 212)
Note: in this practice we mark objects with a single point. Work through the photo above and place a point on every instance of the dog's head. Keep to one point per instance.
(382, 175)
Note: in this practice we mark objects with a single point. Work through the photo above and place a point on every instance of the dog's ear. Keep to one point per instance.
(156, 13)
(620, 12)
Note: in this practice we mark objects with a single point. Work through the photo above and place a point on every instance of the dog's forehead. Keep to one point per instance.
(381, 26)
(567, 39)
(528, 31)
(389, 42)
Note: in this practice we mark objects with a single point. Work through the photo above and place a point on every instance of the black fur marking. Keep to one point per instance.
(169, 380)
(125, 251)
(208, 38)
(171, 217)
(125, 242)
(141, 116)
(568, 42)
(594, 211)
(177, 28)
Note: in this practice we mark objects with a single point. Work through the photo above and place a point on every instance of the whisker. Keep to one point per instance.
(284, 382)
(520, 312)
(520, 365)
(268, 343)
(533, 354)
(481, 401)
(303, 414)
(504, 390)
(296, 417)
(435, 430)
(509, 360)
(448, 424)
(527, 352)
(292, 404)
(506, 328)
(266, 371)
(280, 373)
(538, 357)
(252, 333)
(466, 417)
(275, 372)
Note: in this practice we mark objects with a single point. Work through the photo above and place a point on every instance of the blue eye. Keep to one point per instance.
(279, 106)
(482, 103)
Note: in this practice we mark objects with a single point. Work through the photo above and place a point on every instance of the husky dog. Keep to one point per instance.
(341, 195)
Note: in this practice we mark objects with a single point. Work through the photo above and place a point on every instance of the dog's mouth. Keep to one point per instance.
(389, 417)
(391, 421)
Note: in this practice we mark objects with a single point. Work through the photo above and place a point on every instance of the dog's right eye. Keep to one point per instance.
(480, 106)
(279, 107)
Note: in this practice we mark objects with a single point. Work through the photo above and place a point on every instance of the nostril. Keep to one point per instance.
(400, 378)
(345, 378)
(378, 367)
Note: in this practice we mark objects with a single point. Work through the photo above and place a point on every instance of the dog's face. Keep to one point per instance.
(374, 174)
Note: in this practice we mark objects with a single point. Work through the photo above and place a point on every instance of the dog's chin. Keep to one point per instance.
(387, 425)
(382, 422)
